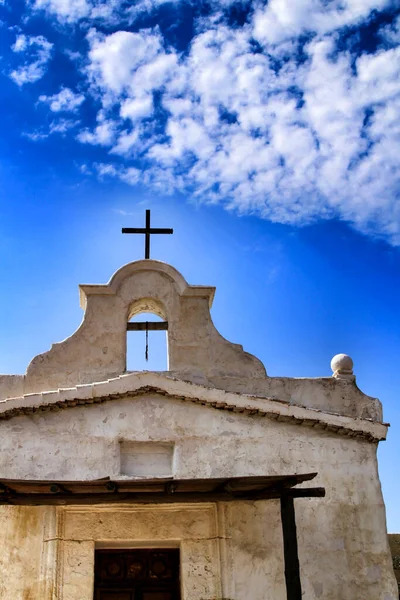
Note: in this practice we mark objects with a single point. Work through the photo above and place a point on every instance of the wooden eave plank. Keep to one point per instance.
(149, 490)
(151, 498)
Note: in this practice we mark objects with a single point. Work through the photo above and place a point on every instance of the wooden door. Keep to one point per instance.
(137, 574)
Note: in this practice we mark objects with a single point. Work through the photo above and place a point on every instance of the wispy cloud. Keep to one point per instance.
(36, 52)
(128, 174)
(65, 10)
(60, 126)
(107, 11)
(64, 101)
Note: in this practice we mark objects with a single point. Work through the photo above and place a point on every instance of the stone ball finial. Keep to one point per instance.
(342, 366)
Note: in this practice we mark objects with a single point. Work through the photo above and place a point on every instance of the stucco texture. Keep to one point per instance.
(343, 545)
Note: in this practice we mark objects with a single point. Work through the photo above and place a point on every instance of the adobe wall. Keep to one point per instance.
(343, 545)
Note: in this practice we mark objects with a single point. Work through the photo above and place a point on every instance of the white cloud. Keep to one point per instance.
(267, 131)
(130, 175)
(280, 20)
(37, 53)
(63, 125)
(116, 57)
(65, 101)
(127, 141)
(65, 10)
(104, 169)
(102, 135)
(107, 11)
(21, 43)
(291, 144)
(137, 108)
(35, 136)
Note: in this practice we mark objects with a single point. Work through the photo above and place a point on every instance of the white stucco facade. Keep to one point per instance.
(77, 415)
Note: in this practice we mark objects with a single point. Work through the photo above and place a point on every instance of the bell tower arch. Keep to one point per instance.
(97, 350)
(147, 336)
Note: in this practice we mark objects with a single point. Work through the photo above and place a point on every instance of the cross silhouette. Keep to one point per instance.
(148, 231)
(146, 325)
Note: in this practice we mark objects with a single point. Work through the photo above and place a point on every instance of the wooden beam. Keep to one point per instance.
(317, 492)
(168, 496)
(254, 483)
(149, 325)
(290, 549)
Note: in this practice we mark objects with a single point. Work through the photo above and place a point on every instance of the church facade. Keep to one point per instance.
(210, 481)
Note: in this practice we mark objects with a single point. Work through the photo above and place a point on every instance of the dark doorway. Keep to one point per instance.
(137, 574)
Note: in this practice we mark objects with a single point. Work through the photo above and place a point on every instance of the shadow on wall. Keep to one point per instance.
(394, 543)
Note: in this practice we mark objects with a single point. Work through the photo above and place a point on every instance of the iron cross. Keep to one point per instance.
(148, 231)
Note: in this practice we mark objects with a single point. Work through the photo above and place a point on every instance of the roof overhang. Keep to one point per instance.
(147, 383)
(151, 491)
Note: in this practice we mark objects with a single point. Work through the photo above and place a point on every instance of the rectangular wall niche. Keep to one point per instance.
(146, 459)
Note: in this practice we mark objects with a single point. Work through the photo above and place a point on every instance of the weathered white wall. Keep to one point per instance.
(25, 543)
(342, 538)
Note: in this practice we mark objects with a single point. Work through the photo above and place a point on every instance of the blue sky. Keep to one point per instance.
(265, 133)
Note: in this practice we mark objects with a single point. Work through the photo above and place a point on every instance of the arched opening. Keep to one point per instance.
(147, 337)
